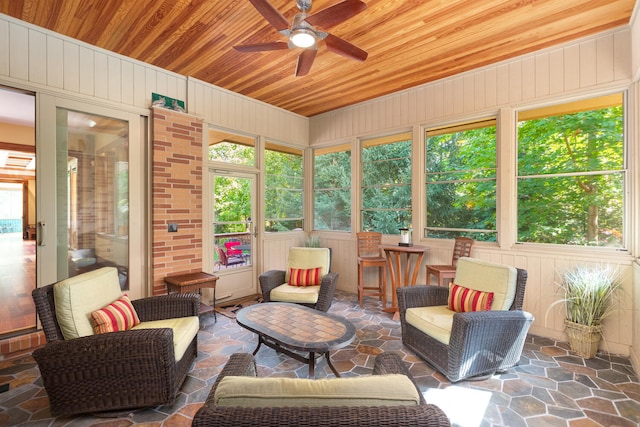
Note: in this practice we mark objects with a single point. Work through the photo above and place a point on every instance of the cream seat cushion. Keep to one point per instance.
(184, 330)
(77, 297)
(436, 321)
(299, 294)
(374, 390)
(300, 257)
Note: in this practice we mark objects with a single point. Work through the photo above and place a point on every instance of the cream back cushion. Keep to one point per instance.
(486, 276)
(308, 258)
(77, 297)
(374, 390)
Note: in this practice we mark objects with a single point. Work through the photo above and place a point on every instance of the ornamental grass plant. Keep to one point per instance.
(311, 242)
(590, 293)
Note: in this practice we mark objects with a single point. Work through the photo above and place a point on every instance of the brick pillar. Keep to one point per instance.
(177, 195)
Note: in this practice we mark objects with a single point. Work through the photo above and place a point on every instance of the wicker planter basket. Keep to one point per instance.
(584, 340)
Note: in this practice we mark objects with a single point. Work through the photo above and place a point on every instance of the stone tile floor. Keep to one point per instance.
(550, 387)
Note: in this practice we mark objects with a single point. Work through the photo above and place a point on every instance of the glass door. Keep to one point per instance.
(17, 212)
(233, 233)
(85, 200)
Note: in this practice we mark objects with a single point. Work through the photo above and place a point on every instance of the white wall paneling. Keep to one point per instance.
(223, 108)
(38, 59)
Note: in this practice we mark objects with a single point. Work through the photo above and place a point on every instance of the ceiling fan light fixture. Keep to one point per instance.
(303, 37)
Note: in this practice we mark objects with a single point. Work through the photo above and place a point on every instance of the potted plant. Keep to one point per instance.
(311, 242)
(590, 296)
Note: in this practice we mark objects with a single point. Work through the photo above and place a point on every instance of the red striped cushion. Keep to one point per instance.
(463, 299)
(117, 316)
(305, 276)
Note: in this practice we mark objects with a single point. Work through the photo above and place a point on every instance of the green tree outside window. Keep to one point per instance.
(461, 181)
(332, 188)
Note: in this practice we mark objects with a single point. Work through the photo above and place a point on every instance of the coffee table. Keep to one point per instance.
(286, 327)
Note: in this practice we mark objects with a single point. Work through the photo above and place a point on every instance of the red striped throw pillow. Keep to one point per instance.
(117, 316)
(305, 276)
(463, 299)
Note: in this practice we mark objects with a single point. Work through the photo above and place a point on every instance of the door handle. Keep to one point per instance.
(40, 233)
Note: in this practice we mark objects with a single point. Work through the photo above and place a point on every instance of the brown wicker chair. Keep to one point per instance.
(118, 370)
(482, 342)
(241, 364)
(273, 279)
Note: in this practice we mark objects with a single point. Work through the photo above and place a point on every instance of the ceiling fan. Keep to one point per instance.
(303, 34)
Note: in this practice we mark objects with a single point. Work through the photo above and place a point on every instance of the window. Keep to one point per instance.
(332, 188)
(386, 183)
(571, 173)
(283, 188)
(231, 148)
(461, 181)
(10, 207)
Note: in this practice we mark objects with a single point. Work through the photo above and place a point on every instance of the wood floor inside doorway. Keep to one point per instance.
(17, 280)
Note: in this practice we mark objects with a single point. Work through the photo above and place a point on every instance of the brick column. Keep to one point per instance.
(177, 195)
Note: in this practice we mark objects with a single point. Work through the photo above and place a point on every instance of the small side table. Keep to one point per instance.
(395, 270)
(192, 282)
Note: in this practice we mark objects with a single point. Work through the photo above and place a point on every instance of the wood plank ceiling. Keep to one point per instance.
(409, 42)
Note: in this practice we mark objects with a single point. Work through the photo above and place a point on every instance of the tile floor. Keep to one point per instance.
(550, 387)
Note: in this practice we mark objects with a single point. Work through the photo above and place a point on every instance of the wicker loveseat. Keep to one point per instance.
(275, 284)
(467, 344)
(117, 370)
(317, 414)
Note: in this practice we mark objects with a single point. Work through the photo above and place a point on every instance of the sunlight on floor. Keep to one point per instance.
(465, 407)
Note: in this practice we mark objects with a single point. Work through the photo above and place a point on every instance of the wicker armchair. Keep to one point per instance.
(317, 297)
(241, 364)
(117, 370)
(481, 342)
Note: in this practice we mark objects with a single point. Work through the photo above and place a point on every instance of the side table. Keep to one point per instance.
(193, 282)
(395, 270)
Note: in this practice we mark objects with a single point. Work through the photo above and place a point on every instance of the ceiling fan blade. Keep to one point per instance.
(261, 47)
(271, 14)
(336, 14)
(344, 48)
(305, 61)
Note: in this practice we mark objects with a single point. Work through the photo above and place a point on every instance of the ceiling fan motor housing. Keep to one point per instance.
(303, 5)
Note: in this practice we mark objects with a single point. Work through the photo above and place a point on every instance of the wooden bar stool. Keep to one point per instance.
(461, 248)
(370, 255)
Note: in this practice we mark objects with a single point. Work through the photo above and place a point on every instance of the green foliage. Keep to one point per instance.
(283, 191)
(570, 184)
(570, 189)
(386, 187)
(311, 242)
(332, 191)
(589, 294)
(232, 201)
(461, 184)
(231, 152)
